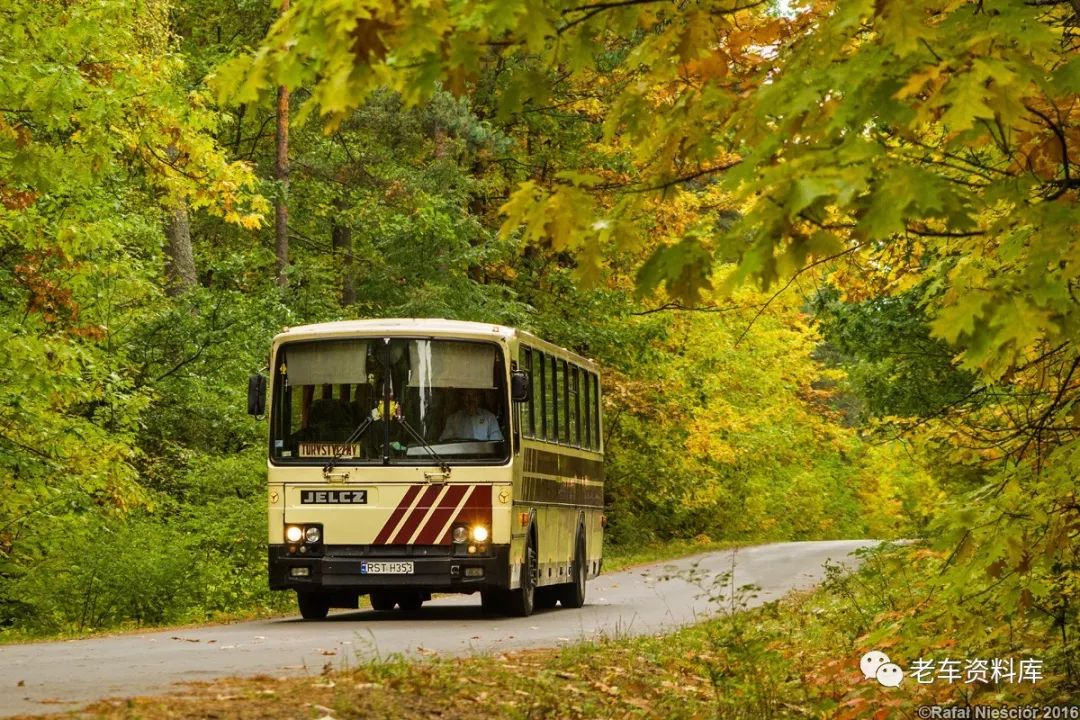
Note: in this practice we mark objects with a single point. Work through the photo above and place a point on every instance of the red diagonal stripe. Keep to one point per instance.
(395, 516)
(417, 515)
(438, 518)
(477, 510)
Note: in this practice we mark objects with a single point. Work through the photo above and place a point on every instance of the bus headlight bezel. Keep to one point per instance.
(297, 535)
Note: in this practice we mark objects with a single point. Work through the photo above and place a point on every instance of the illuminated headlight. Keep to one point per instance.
(312, 534)
(460, 534)
(479, 534)
(294, 533)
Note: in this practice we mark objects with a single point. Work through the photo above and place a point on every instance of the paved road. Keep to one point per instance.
(48, 677)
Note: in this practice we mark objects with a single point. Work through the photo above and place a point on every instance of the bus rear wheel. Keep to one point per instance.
(313, 605)
(572, 594)
(545, 598)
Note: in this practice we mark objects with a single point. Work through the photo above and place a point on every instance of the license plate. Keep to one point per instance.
(386, 568)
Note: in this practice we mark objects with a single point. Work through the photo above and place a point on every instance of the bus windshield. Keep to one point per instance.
(389, 401)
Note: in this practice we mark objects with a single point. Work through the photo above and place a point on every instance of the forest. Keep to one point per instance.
(825, 252)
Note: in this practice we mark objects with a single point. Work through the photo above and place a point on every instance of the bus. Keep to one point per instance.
(417, 456)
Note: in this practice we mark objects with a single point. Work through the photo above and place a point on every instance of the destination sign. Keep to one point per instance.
(328, 450)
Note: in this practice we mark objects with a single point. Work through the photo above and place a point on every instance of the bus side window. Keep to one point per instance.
(586, 416)
(553, 429)
(528, 408)
(564, 398)
(575, 406)
(596, 410)
(541, 396)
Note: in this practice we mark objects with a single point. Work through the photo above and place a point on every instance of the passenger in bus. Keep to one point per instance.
(472, 422)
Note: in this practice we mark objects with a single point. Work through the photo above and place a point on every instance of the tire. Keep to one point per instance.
(572, 594)
(313, 605)
(382, 600)
(546, 597)
(409, 601)
(493, 602)
(522, 601)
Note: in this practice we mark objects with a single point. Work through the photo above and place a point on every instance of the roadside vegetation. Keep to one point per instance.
(824, 251)
(797, 657)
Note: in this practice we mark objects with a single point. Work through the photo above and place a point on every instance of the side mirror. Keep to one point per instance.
(519, 386)
(257, 395)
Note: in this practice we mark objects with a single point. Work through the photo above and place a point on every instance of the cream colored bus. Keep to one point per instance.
(408, 457)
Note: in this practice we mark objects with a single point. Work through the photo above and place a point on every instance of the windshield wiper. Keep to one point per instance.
(443, 465)
(353, 437)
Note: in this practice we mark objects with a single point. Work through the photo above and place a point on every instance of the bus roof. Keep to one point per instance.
(422, 326)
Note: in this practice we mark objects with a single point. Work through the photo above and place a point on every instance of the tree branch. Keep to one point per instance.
(789, 283)
(677, 306)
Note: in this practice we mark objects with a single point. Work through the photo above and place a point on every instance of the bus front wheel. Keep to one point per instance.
(313, 605)
(492, 602)
(410, 601)
(522, 600)
(382, 600)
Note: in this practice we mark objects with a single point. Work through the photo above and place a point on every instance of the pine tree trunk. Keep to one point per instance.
(341, 236)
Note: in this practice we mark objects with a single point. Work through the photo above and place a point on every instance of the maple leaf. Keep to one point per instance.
(966, 95)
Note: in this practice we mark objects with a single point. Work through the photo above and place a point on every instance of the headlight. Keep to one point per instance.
(479, 534)
(460, 534)
(312, 534)
(293, 533)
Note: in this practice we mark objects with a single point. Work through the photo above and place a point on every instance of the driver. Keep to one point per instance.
(472, 422)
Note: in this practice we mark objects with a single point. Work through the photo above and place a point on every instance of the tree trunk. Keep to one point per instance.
(281, 209)
(179, 257)
(341, 236)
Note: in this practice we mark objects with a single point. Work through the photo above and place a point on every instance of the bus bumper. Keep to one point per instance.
(434, 570)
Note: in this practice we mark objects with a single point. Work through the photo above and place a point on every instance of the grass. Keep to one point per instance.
(13, 636)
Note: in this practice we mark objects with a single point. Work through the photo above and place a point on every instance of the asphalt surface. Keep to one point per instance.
(50, 677)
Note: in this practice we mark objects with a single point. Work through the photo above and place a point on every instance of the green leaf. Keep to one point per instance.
(1065, 79)
(902, 24)
(959, 318)
(684, 269)
(966, 95)
(578, 179)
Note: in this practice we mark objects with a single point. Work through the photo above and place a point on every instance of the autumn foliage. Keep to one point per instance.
(825, 250)
(924, 151)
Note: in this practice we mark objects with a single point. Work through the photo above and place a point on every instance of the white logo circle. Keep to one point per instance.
(890, 675)
(870, 663)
